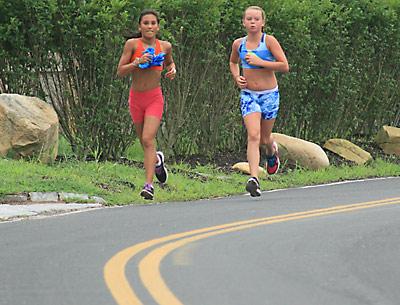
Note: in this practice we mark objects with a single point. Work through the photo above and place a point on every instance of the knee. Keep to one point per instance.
(147, 142)
(253, 137)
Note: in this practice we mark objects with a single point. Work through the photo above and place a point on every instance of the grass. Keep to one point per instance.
(121, 184)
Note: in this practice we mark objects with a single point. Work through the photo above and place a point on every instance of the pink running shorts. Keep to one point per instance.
(146, 103)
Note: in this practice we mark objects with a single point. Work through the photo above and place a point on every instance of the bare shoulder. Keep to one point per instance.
(235, 46)
(237, 42)
(165, 45)
(131, 43)
(271, 40)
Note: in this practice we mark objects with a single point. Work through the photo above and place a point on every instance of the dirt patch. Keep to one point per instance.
(221, 161)
(224, 161)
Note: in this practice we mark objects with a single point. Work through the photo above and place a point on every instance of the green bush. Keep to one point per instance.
(344, 57)
(202, 115)
(66, 52)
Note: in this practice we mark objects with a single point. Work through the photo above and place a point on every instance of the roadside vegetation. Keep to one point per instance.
(344, 61)
(121, 182)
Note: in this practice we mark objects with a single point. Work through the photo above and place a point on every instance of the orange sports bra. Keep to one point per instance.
(140, 49)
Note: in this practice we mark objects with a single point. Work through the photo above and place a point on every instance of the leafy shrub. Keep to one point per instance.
(344, 57)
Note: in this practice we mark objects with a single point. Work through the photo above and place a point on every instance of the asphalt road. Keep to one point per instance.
(333, 244)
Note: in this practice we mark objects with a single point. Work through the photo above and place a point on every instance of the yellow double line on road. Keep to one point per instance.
(149, 266)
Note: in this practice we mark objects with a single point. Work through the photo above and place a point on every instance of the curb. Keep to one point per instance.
(26, 205)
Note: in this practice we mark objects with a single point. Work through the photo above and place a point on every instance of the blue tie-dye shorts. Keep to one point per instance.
(266, 102)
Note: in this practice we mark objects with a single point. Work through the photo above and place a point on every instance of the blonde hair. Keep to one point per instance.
(257, 8)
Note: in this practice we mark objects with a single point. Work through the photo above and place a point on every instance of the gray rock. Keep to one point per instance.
(28, 128)
(14, 199)
(72, 196)
(98, 199)
(348, 150)
(388, 138)
(43, 197)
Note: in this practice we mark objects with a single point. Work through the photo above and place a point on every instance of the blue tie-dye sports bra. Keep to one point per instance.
(261, 51)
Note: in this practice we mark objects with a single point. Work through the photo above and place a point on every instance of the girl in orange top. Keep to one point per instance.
(146, 101)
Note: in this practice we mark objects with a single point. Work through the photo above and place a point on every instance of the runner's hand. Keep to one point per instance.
(241, 81)
(253, 59)
(171, 72)
(145, 58)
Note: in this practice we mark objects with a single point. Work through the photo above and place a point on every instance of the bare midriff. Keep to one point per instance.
(260, 79)
(146, 79)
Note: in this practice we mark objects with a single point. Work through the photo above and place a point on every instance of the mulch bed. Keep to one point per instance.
(225, 161)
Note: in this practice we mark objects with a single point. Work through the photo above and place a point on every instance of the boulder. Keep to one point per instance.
(28, 128)
(245, 168)
(304, 153)
(348, 150)
(388, 138)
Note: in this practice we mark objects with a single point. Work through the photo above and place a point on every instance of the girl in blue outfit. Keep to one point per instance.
(260, 56)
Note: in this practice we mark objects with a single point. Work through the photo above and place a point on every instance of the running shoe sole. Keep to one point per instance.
(253, 189)
(275, 146)
(162, 177)
(147, 194)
